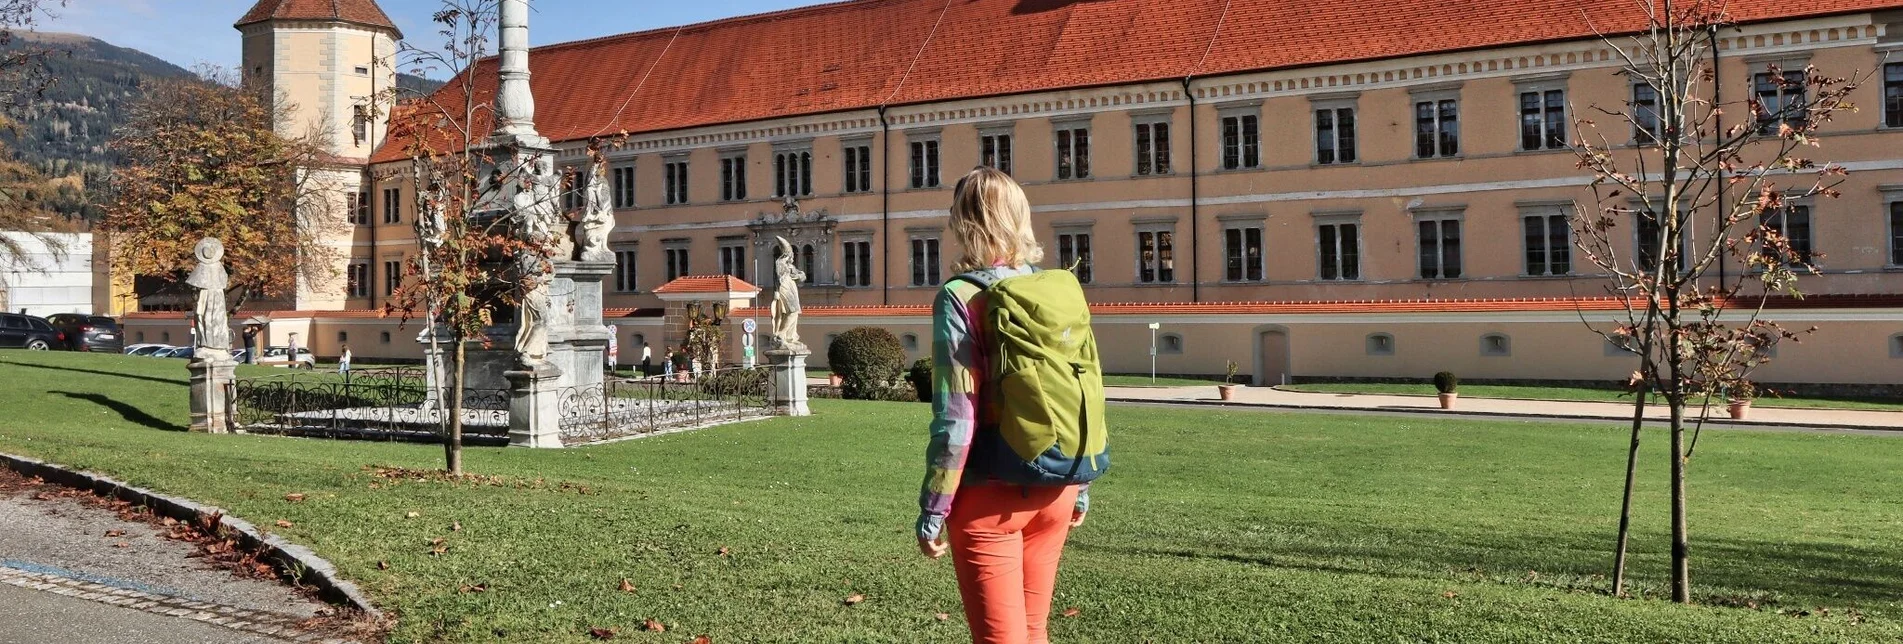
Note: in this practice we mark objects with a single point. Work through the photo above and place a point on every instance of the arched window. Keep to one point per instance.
(1496, 345)
(910, 340)
(343, 336)
(1896, 346)
(806, 262)
(1169, 343)
(165, 336)
(1380, 344)
(384, 337)
(141, 337)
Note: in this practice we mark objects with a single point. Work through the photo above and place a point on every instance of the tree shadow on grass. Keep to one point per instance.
(169, 381)
(130, 413)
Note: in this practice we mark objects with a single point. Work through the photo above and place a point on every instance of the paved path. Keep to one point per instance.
(63, 579)
(1268, 397)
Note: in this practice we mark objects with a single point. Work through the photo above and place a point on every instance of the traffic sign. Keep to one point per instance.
(748, 325)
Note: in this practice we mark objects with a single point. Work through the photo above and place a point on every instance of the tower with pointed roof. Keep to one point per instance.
(330, 62)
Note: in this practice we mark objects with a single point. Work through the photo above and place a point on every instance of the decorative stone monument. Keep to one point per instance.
(211, 365)
(788, 355)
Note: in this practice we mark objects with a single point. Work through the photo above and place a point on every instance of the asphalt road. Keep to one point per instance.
(33, 617)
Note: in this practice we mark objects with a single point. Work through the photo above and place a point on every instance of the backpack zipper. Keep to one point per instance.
(1083, 420)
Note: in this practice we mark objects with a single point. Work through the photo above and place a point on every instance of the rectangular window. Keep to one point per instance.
(1436, 128)
(994, 150)
(1073, 153)
(1793, 223)
(360, 125)
(858, 168)
(392, 276)
(392, 213)
(1781, 99)
(1340, 251)
(1646, 128)
(1073, 252)
(925, 261)
(624, 271)
(359, 279)
(925, 163)
(793, 173)
(1893, 94)
(1650, 242)
(1335, 135)
(1156, 256)
(676, 263)
(1242, 254)
(1549, 248)
(733, 259)
(1439, 248)
(858, 262)
(1543, 120)
(733, 178)
(1896, 233)
(358, 204)
(574, 188)
(1241, 142)
(676, 184)
(624, 186)
(1153, 148)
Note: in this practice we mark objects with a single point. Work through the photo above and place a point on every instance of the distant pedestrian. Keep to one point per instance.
(614, 349)
(647, 360)
(290, 352)
(667, 364)
(343, 362)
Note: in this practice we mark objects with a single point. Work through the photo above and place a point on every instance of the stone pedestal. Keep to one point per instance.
(211, 383)
(577, 339)
(789, 381)
(535, 414)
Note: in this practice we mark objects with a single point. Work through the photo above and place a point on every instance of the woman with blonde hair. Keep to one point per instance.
(1005, 538)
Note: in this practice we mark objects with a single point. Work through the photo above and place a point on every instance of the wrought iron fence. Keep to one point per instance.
(393, 403)
(624, 407)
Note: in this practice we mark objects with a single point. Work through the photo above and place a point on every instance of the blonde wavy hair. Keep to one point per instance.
(991, 220)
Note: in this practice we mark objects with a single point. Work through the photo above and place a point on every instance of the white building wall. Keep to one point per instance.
(53, 274)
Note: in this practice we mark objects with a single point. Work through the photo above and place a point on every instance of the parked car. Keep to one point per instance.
(30, 332)
(174, 352)
(89, 332)
(144, 348)
(277, 357)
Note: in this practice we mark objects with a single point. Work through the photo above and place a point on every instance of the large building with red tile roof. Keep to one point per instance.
(1310, 189)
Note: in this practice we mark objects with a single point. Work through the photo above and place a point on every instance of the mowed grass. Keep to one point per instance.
(1213, 526)
(1582, 394)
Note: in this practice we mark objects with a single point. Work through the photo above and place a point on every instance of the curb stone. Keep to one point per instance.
(287, 556)
(1725, 422)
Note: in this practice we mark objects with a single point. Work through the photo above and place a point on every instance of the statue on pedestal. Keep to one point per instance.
(211, 328)
(598, 218)
(535, 207)
(786, 298)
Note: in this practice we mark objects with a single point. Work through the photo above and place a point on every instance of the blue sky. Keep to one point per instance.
(187, 32)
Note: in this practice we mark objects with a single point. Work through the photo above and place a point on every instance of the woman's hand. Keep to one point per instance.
(932, 548)
(1076, 518)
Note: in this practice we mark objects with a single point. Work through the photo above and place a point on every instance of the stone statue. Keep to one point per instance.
(209, 324)
(535, 207)
(598, 218)
(786, 297)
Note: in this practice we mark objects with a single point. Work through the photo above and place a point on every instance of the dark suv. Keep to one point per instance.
(28, 332)
(89, 332)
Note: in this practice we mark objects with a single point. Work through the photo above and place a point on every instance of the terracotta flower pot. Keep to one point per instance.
(1226, 392)
(1447, 400)
(1740, 409)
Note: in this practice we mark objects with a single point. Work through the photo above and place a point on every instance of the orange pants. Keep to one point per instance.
(1005, 543)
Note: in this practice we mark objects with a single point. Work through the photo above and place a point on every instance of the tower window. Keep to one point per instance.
(363, 70)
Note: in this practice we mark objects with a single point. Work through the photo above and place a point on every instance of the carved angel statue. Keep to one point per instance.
(209, 323)
(430, 224)
(598, 218)
(786, 297)
(531, 329)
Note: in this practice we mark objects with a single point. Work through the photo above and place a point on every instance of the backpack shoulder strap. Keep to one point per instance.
(984, 279)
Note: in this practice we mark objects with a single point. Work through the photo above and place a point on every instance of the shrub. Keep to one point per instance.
(735, 382)
(921, 377)
(1446, 382)
(868, 361)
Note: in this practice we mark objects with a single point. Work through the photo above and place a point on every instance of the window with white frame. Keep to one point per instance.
(1153, 144)
(809, 263)
(857, 253)
(624, 270)
(358, 279)
(1073, 252)
(358, 203)
(924, 160)
(1779, 94)
(1156, 252)
(1334, 130)
(1792, 222)
(1893, 94)
(1338, 247)
(733, 256)
(858, 157)
(1073, 150)
(1242, 251)
(1438, 238)
(1437, 124)
(1896, 229)
(675, 254)
(1547, 233)
(360, 125)
(1647, 128)
(623, 185)
(1543, 115)
(392, 276)
(925, 265)
(994, 150)
(674, 181)
(1650, 240)
(1241, 137)
(733, 176)
(793, 172)
(392, 206)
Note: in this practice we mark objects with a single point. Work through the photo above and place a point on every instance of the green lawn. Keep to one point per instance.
(1214, 526)
(1580, 393)
(1143, 380)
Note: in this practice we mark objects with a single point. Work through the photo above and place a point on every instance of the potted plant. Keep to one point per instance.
(1447, 383)
(1227, 390)
(1740, 398)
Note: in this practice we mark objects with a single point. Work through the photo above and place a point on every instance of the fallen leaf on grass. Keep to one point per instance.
(474, 588)
(115, 533)
(1072, 612)
(601, 633)
(1450, 594)
(942, 616)
(722, 551)
(294, 497)
(412, 514)
(854, 598)
(626, 586)
(456, 526)
(437, 541)
(702, 639)
(438, 550)
(284, 524)
(383, 565)
(122, 544)
(654, 626)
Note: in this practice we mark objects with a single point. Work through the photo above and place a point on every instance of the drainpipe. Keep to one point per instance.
(885, 208)
(1195, 240)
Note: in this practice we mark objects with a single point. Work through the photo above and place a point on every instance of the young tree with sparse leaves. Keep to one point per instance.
(22, 77)
(1727, 170)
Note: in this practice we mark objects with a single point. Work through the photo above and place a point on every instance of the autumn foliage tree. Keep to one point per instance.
(203, 158)
(1709, 182)
(22, 76)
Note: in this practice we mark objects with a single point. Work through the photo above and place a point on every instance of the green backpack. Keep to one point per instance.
(1047, 384)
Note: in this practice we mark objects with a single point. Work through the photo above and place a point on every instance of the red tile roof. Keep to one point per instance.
(707, 284)
(364, 12)
(866, 53)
